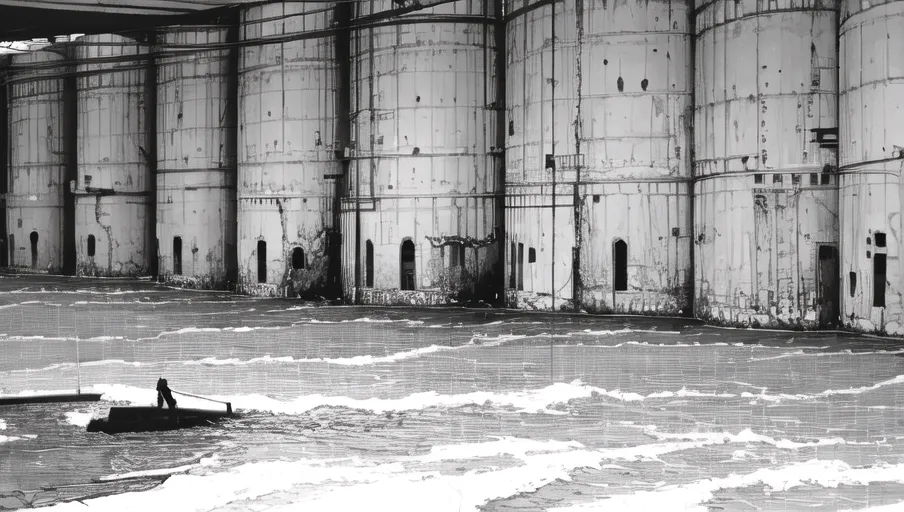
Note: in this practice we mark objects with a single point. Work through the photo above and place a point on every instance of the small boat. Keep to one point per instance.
(78, 396)
(154, 419)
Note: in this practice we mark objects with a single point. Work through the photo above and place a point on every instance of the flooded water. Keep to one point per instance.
(345, 408)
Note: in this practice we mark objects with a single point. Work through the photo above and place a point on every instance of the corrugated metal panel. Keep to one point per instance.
(196, 142)
(607, 88)
(426, 138)
(287, 148)
(37, 160)
(871, 143)
(766, 218)
(114, 143)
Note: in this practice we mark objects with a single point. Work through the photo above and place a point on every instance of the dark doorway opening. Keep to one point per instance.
(879, 281)
(12, 250)
(261, 261)
(829, 288)
(408, 265)
(369, 264)
(620, 264)
(297, 258)
(177, 255)
(33, 237)
(91, 244)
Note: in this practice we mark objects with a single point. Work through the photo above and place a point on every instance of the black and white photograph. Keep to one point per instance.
(452, 255)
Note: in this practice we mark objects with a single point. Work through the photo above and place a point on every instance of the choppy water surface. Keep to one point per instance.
(393, 409)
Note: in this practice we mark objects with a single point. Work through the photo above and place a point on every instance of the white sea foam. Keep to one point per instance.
(356, 484)
(78, 418)
(8, 439)
(2, 424)
(204, 462)
(527, 401)
(827, 393)
(540, 401)
(891, 507)
(691, 496)
(748, 436)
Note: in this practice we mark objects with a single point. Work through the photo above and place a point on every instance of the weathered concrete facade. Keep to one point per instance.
(766, 200)
(615, 116)
(114, 209)
(37, 160)
(872, 159)
(534, 153)
(287, 160)
(196, 154)
(424, 180)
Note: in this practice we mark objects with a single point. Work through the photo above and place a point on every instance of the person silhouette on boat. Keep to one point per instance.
(164, 393)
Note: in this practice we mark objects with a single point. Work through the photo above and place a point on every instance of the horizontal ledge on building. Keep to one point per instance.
(853, 168)
(618, 181)
(423, 155)
(100, 191)
(702, 28)
(221, 170)
(387, 197)
(250, 197)
(751, 174)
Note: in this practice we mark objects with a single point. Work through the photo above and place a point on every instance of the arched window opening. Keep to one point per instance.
(620, 262)
(177, 255)
(261, 261)
(34, 249)
(91, 244)
(408, 265)
(297, 258)
(369, 264)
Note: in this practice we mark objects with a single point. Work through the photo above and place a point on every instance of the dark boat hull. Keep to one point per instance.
(152, 419)
(48, 399)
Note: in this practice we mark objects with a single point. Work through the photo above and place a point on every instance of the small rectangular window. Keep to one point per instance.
(826, 178)
(880, 239)
(795, 179)
(596, 198)
(852, 278)
(776, 178)
(757, 178)
(814, 179)
(531, 255)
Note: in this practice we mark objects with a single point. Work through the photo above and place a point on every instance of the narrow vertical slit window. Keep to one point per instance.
(620, 263)
(261, 261)
(12, 250)
(177, 255)
(852, 283)
(91, 244)
(34, 249)
(513, 274)
(520, 266)
(369, 264)
(879, 280)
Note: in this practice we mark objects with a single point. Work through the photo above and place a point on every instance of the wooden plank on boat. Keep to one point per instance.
(48, 399)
